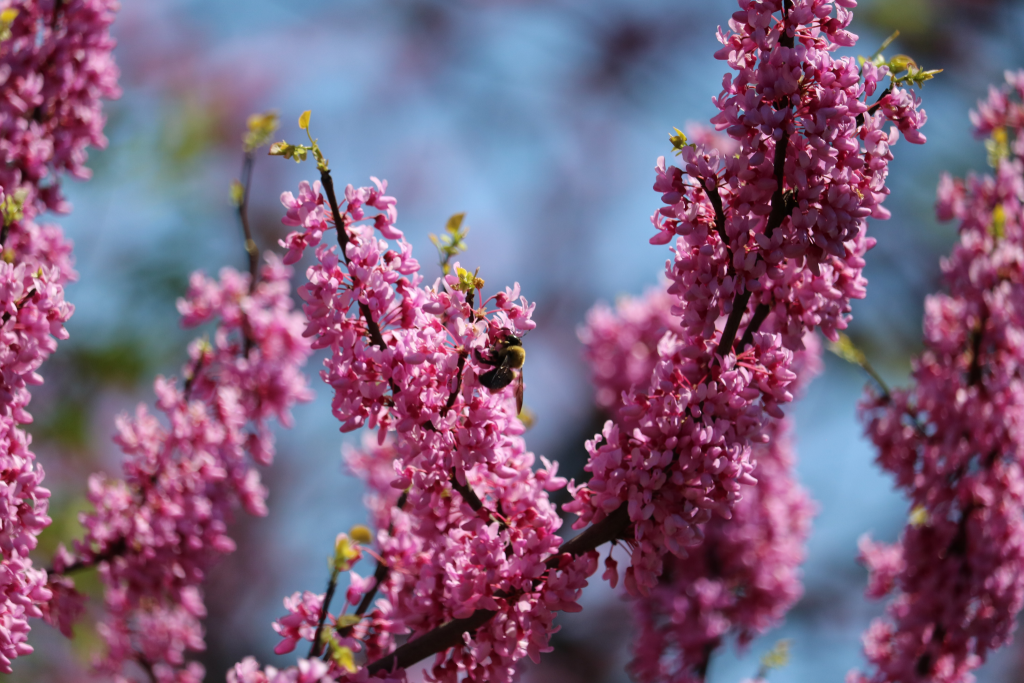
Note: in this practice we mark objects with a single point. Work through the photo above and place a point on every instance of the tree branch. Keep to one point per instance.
(432, 642)
(111, 552)
(332, 585)
(716, 201)
(616, 525)
(243, 216)
(250, 244)
(372, 328)
(449, 635)
(760, 313)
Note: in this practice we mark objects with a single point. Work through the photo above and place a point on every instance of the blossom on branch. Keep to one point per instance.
(770, 238)
(745, 575)
(154, 533)
(954, 439)
(56, 67)
(475, 532)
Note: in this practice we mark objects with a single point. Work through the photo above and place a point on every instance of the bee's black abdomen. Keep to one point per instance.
(498, 378)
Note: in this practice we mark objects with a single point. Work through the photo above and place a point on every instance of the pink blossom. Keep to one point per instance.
(301, 621)
(55, 68)
(739, 582)
(770, 240)
(745, 574)
(155, 533)
(475, 530)
(954, 443)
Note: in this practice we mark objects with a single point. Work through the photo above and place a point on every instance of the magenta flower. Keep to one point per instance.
(475, 529)
(954, 442)
(155, 533)
(770, 239)
(745, 574)
(56, 67)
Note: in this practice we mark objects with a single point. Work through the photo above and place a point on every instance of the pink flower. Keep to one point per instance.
(300, 623)
(475, 528)
(744, 575)
(770, 240)
(155, 533)
(954, 444)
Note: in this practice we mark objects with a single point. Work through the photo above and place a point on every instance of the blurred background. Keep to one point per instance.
(542, 121)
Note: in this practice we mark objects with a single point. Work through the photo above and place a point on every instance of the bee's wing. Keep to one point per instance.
(498, 378)
(519, 393)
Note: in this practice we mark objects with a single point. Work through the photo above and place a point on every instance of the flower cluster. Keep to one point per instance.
(474, 529)
(745, 575)
(771, 236)
(621, 344)
(56, 67)
(954, 439)
(740, 581)
(154, 533)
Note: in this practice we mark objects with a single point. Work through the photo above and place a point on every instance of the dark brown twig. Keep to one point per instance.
(716, 202)
(112, 551)
(21, 302)
(372, 328)
(332, 585)
(146, 666)
(873, 108)
(243, 216)
(380, 575)
(760, 313)
(250, 244)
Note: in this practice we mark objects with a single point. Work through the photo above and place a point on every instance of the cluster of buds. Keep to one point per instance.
(953, 440)
(56, 68)
(745, 575)
(770, 224)
(154, 533)
(465, 527)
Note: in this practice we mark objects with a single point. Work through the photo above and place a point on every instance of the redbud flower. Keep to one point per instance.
(953, 439)
(155, 533)
(475, 528)
(745, 574)
(770, 238)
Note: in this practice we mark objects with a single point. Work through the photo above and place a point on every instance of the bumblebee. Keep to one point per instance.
(505, 357)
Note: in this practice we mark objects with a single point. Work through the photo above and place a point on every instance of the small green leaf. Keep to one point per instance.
(342, 656)
(7, 18)
(13, 206)
(346, 620)
(466, 280)
(452, 242)
(901, 63)
(455, 223)
(998, 146)
(876, 58)
(919, 516)
(361, 534)
(679, 142)
(259, 128)
(998, 226)
(776, 658)
(921, 76)
(304, 120)
(237, 193)
(845, 349)
(346, 553)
